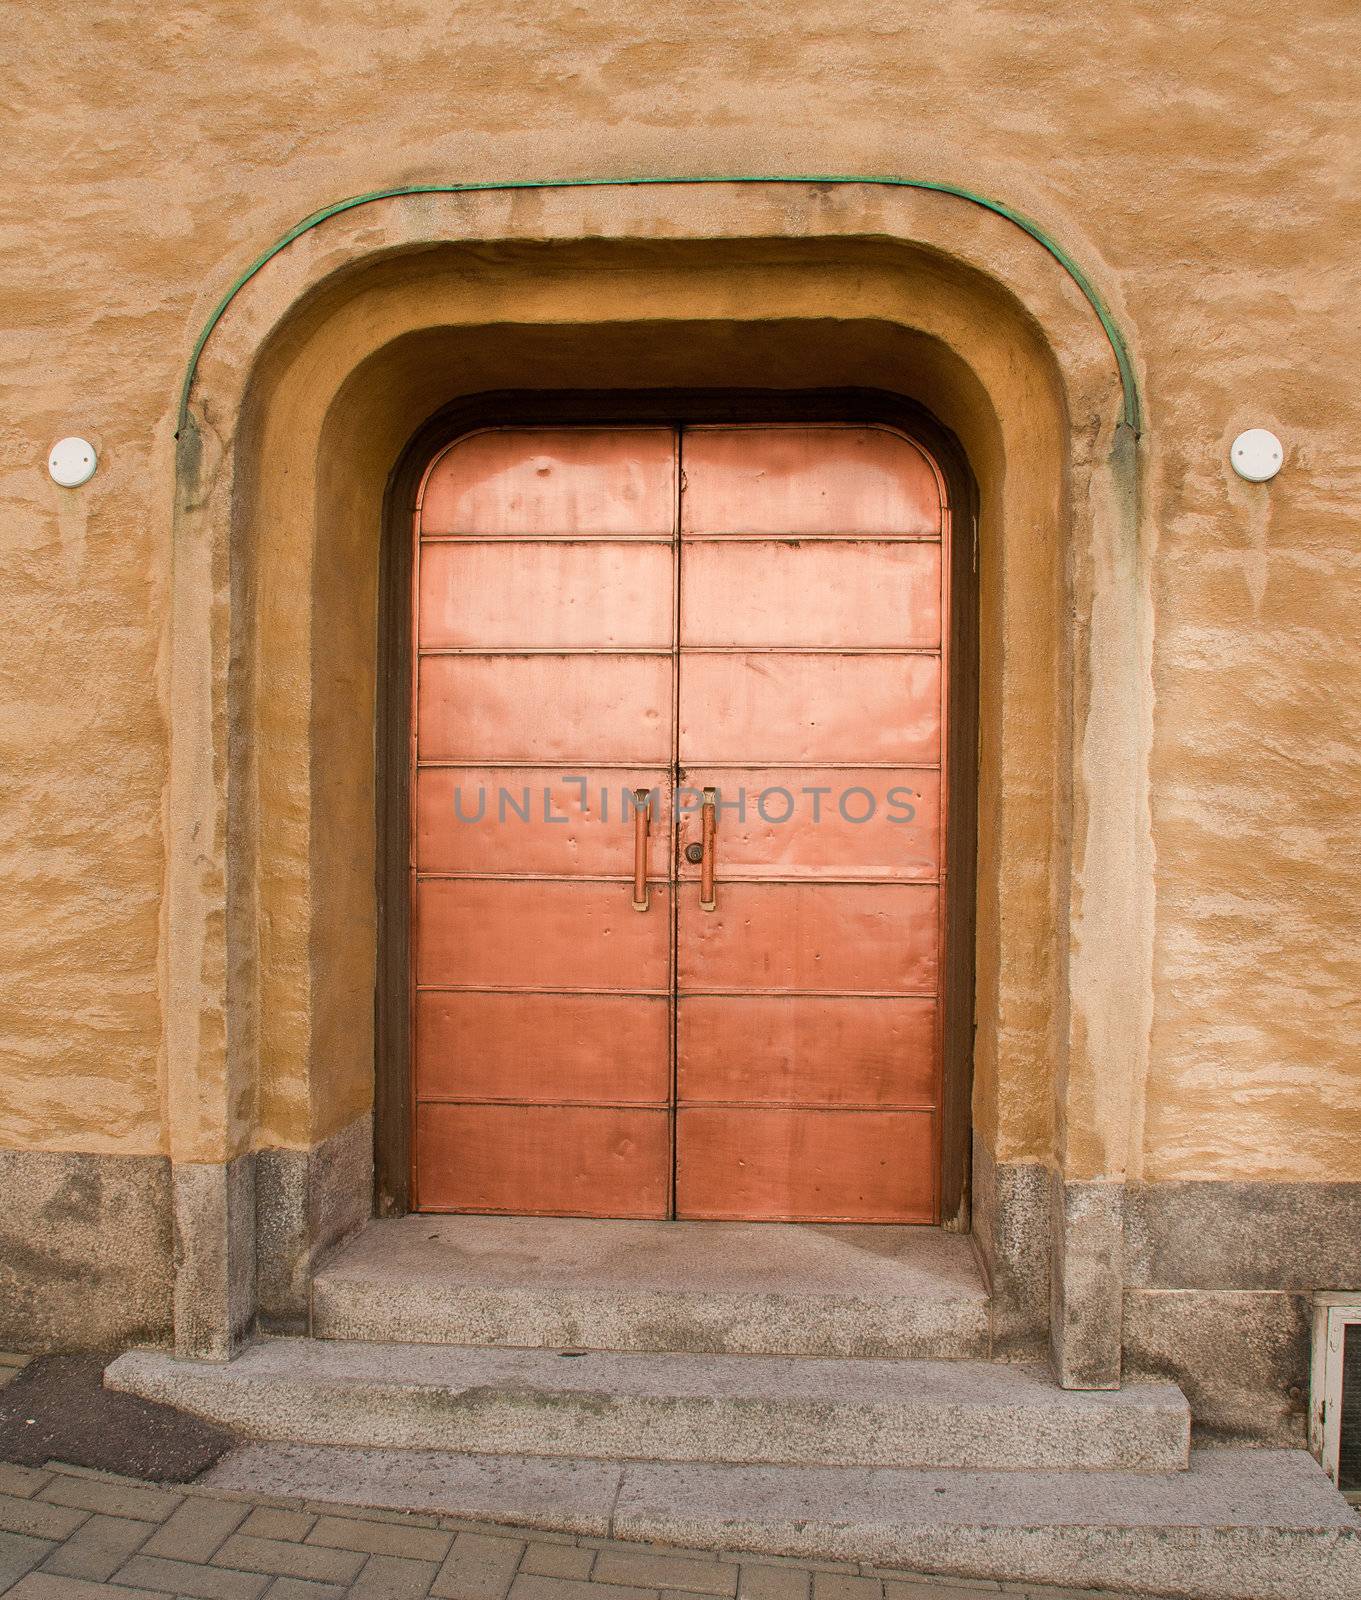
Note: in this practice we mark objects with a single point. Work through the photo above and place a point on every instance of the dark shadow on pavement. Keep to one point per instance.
(57, 1409)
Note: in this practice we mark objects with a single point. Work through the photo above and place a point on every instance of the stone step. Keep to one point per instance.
(699, 1287)
(686, 1408)
(1265, 1524)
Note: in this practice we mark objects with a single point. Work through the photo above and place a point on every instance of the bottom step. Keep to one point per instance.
(1239, 1525)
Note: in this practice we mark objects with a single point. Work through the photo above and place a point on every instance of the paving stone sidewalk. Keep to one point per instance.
(68, 1533)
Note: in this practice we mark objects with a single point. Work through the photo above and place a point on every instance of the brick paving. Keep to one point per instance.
(67, 1533)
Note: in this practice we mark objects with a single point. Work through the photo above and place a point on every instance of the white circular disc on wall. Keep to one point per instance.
(72, 462)
(1256, 455)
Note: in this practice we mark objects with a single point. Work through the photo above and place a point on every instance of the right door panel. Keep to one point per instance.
(811, 666)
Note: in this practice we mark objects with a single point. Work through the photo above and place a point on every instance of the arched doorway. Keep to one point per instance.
(312, 384)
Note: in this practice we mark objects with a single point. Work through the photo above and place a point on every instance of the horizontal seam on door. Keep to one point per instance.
(878, 881)
(685, 993)
(912, 1108)
(667, 539)
(788, 537)
(567, 765)
(494, 988)
(929, 651)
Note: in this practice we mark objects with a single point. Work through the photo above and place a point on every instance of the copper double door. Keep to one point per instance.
(646, 658)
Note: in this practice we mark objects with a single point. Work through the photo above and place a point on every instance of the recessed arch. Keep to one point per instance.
(319, 373)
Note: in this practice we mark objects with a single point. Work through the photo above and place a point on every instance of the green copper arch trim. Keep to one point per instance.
(1131, 416)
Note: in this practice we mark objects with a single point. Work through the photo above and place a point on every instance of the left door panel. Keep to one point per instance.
(544, 686)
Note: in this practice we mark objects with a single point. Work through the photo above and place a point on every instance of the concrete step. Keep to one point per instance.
(757, 1409)
(699, 1287)
(1239, 1525)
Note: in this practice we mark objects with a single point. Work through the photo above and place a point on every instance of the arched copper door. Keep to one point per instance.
(678, 823)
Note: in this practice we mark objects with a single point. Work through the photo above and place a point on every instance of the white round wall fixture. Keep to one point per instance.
(1256, 455)
(72, 462)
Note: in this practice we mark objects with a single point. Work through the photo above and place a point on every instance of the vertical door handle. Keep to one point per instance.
(641, 819)
(708, 824)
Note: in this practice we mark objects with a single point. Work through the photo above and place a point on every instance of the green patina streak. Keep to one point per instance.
(1131, 416)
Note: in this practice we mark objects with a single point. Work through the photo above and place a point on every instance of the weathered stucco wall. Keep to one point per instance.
(150, 155)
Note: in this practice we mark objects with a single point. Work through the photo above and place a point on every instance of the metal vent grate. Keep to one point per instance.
(1335, 1399)
(1349, 1430)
